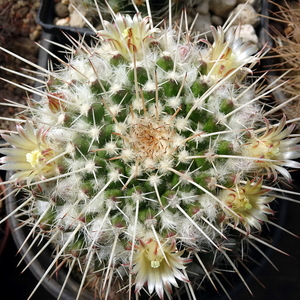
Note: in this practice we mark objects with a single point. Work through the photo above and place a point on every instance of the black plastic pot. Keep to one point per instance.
(4, 227)
(45, 18)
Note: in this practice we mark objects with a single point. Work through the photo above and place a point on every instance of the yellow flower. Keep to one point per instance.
(249, 202)
(158, 267)
(127, 35)
(226, 56)
(29, 154)
(274, 150)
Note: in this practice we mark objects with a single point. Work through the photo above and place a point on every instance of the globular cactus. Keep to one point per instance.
(150, 154)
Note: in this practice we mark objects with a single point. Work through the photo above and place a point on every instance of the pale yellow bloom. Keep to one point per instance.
(129, 36)
(158, 268)
(29, 154)
(227, 55)
(249, 203)
(274, 149)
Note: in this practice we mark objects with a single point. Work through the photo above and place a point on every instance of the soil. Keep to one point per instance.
(19, 33)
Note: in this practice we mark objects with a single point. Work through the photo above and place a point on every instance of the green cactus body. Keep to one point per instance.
(149, 156)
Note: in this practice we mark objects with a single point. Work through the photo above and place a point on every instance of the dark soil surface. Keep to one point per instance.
(18, 34)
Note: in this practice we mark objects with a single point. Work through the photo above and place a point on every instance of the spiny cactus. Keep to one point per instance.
(150, 154)
(285, 38)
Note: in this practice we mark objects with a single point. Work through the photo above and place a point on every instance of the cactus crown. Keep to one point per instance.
(146, 151)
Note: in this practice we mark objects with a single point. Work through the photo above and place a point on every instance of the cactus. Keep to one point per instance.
(285, 38)
(149, 161)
